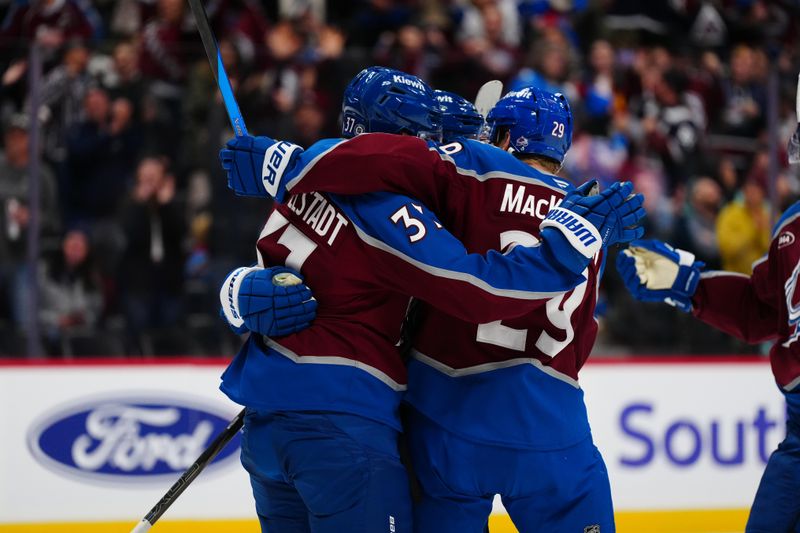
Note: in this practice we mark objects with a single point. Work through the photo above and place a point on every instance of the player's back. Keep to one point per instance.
(348, 358)
(365, 256)
(510, 382)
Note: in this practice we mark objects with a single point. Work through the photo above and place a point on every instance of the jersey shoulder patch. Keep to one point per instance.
(788, 216)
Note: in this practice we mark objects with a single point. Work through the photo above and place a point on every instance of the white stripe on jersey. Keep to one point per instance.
(455, 275)
(717, 273)
(497, 174)
(791, 385)
(334, 360)
(488, 367)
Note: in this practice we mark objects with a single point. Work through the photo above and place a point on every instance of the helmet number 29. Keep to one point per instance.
(558, 129)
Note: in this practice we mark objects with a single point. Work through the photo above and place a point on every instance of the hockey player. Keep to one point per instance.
(506, 392)
(508, 416)
(763, 306)
(320, 438)
(460, 118)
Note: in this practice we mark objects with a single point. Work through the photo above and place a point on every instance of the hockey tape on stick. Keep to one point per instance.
(218, 68)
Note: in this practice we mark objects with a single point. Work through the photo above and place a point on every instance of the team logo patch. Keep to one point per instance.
(521, 143)
(785, 239)
(592, 529)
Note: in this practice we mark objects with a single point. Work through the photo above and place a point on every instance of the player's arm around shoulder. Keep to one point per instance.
(270, 301)
(416, 255)
(263, 167)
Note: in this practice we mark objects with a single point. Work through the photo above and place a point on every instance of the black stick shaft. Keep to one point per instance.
(207, 36)
(194, 470)
(217, 68)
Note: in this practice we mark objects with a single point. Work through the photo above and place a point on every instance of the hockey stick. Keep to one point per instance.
(192, 472)
(218, 68)
(487, 96)
(485, 100)
(793, 150)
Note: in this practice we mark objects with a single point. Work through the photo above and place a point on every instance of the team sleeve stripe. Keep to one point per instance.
(792, 384)
(454, 275)
(495, 174)
(335, 360)
(710, 274)
(489, 367)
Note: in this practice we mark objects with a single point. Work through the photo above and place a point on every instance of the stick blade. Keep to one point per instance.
(487, 96)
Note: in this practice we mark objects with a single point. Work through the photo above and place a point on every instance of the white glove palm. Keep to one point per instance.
(654, 271)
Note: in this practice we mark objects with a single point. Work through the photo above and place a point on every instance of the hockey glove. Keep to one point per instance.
(654, 271)
(256, 165)
(584, 222)
(269, 301)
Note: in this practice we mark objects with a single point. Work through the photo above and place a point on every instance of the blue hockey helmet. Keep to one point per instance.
(460, 117)
(385, 100)
(540, 122)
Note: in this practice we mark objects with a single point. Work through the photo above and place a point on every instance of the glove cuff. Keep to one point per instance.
(276, 161)
(561, 251)
(229, 295)
(687, 280)
(581, 234)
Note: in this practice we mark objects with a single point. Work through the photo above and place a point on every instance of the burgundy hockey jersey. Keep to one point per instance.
(763, 306)
(511, 382)
(365, 256)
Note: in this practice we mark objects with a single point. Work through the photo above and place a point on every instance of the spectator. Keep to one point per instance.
(672, 127)
(63, 91)
(548, 67)
(728, 178)
(102, 151)
(272, 93)
(70, 291)
(15, 204)
(696, 227)
(491, 21)
(745, 101)
(152, 265)
(743, 229)
(50, 23)
(163, 59)
(163, 51)
(598, 90)
(127, 80)
(407, 50)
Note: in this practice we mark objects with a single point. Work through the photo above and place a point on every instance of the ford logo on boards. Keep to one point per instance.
(133, 437)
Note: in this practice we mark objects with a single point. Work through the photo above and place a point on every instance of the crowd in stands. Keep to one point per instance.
(137, 227)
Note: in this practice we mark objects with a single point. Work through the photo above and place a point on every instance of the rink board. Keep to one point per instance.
(91, 446)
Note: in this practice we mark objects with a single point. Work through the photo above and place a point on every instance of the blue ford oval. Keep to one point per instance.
(129, 437)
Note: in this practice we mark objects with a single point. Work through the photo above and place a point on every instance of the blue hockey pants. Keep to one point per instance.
(325, 473)
(776, 508)
(543, 491)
